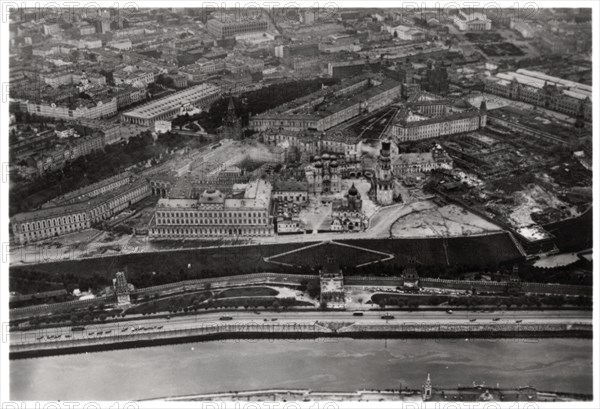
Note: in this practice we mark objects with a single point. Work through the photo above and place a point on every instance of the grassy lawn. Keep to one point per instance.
(256, 302)
(148, 269)
(316, 255)
(169, 303)
(247, 292)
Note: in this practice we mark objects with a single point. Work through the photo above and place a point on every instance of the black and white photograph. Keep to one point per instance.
(299, 205)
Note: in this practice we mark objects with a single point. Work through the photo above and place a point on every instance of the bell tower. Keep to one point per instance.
(482, 114)
(384, 181)
(427, 389)
(232, 126)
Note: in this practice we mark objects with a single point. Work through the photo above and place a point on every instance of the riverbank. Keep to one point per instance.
(471, 394)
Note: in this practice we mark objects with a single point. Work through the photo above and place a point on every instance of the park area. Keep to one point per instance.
(238, 297)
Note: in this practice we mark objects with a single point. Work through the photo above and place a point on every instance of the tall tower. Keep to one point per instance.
(334, 172)
(384, 182)
(427, 389)
(121, 289)
(232, 126)
(482, 113)
(318, 181)
(353, 198)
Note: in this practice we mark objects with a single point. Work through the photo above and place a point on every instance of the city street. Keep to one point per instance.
(212, 320)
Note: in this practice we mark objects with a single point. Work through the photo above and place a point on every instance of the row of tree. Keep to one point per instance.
(528, 301)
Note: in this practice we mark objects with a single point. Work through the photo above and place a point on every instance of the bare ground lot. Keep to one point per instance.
(446, 221)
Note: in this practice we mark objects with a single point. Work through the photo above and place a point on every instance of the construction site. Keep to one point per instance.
(519, 182)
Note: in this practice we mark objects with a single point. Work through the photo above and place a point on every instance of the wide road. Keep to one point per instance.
(147, 326)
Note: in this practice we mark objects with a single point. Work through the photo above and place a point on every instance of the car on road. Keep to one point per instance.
(225, 318)
(519, 321)
(387, 317)
(473, 319)
(257, 312)
(358, 314)
(273, 319)
(496, 319)
(449, 312)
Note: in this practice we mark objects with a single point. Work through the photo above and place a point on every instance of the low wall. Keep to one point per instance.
(493, 286)
(374, 281)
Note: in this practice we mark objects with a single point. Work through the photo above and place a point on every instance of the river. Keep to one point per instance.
(324, 364)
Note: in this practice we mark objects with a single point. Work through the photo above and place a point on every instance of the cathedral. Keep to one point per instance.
(347, 213)
(384, 182)
(323, 175)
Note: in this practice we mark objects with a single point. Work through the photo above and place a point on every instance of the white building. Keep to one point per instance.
(522, 27)
(472, 21)
(162, 126)
(404, 32)
(423, 162)
(213, 214)
(133, 76)
(121, 44)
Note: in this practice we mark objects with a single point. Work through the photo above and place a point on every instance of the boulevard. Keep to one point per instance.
(309, 320)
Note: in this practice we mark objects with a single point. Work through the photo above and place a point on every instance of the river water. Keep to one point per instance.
(324, 364)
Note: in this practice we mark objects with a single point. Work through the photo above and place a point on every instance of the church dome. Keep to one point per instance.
(317, 158)
(353, 190)
(325, 156)
(318, 164)
(210, 195)
(334, 164)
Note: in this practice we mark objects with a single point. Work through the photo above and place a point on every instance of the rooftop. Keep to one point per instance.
(257, 196)
(160, 106)
(539, 80)
(79, 207)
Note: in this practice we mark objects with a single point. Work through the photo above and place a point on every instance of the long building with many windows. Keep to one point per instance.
(54, 221)
(93, 190)
(244, 213)
(166, 108)
(416, 125)
(557, 94)
(81, 109)
(227, 29)
(327, 108)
